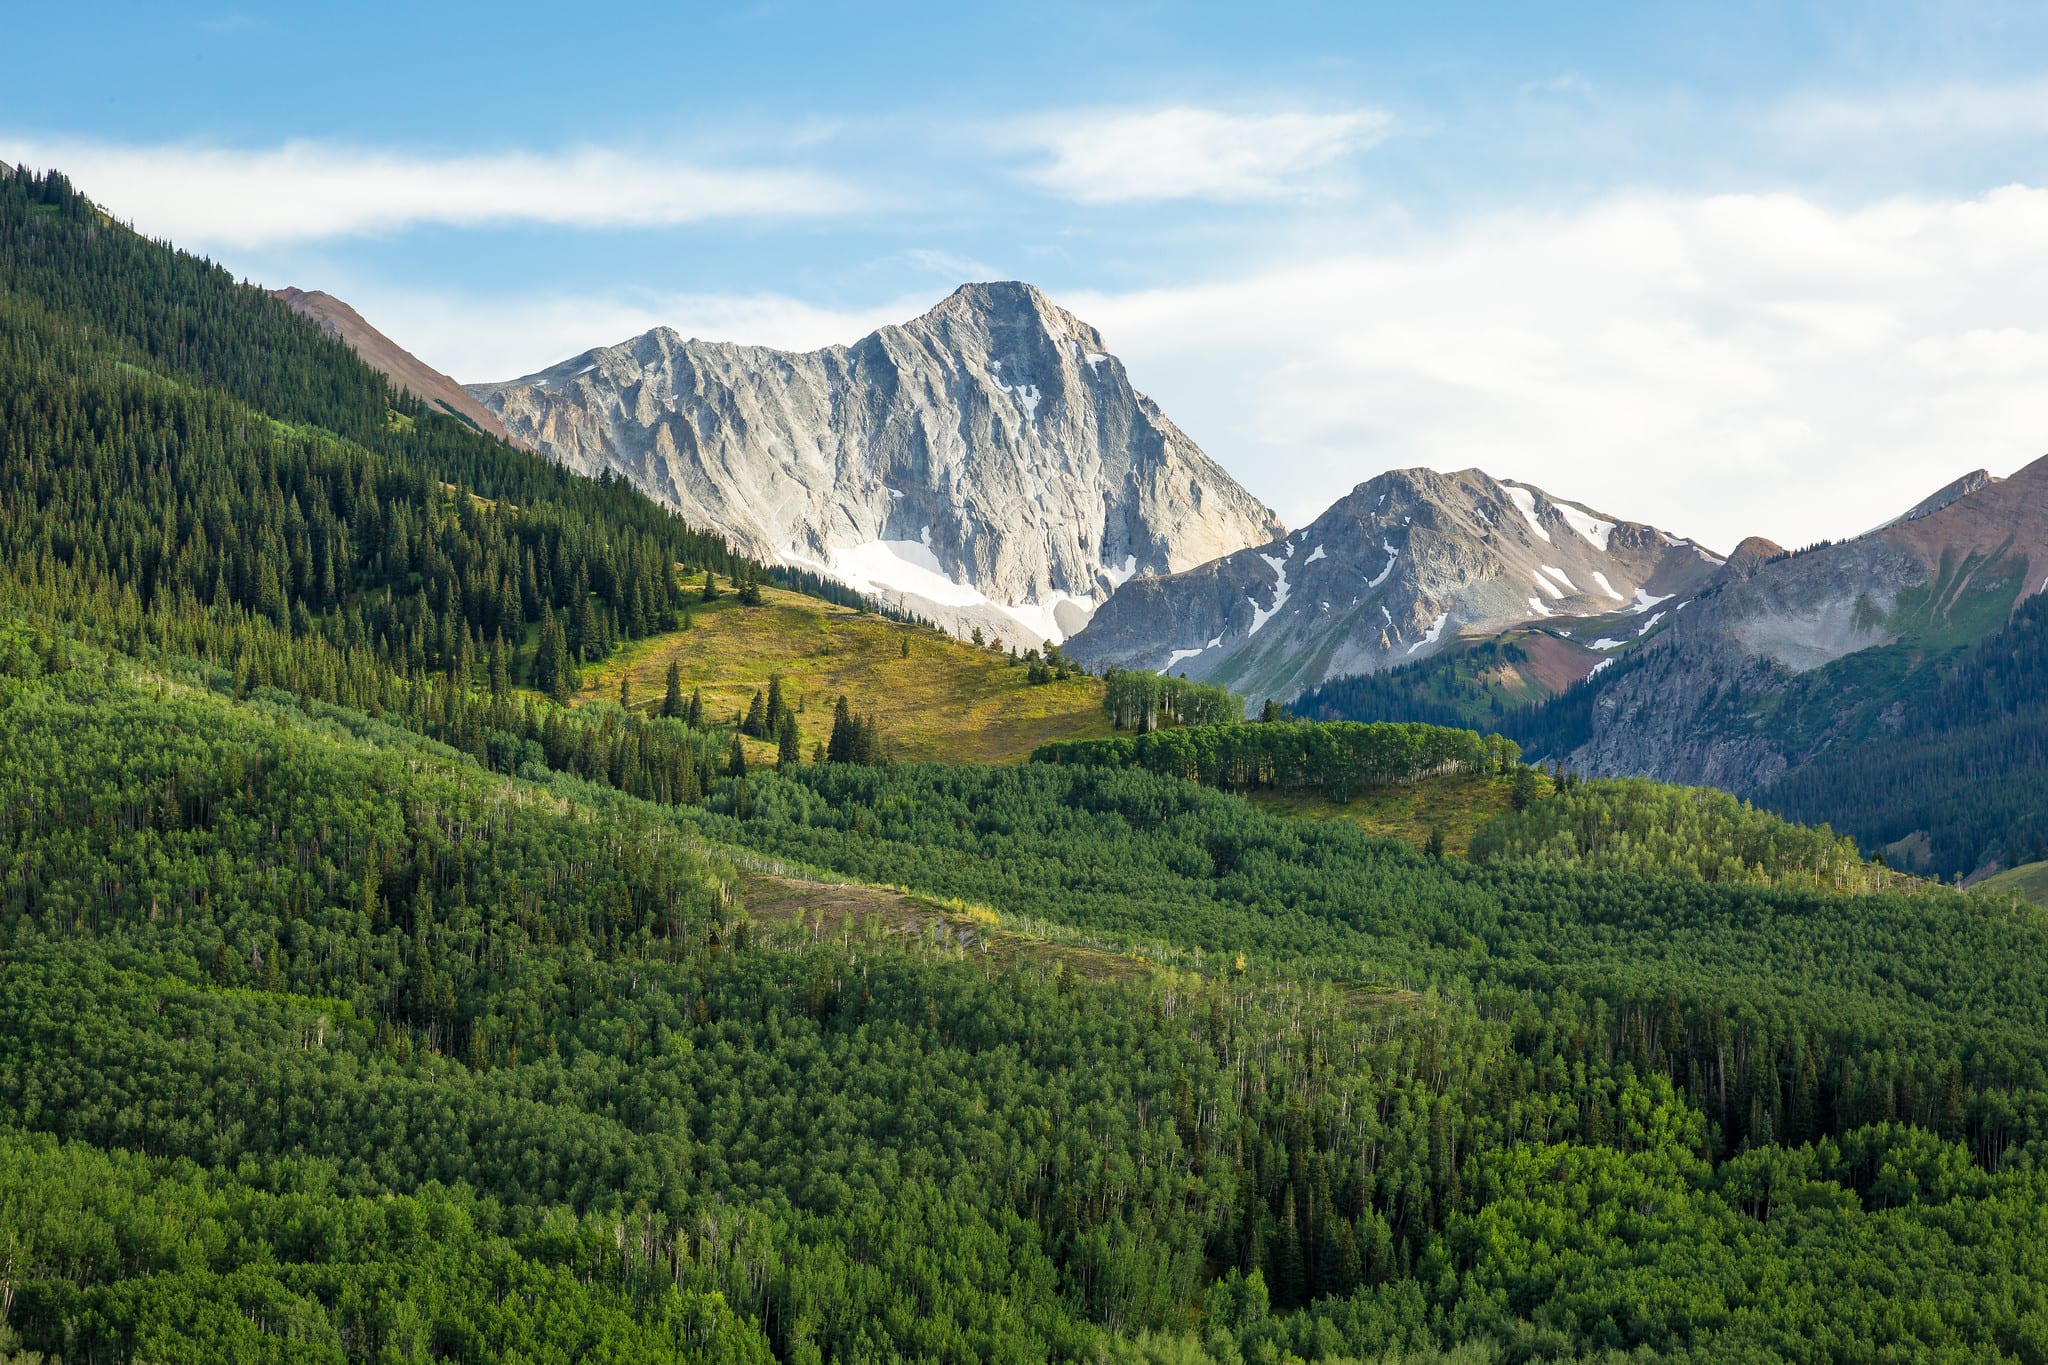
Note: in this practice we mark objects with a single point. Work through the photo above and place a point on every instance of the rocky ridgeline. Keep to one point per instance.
(1399, 568)
(986, 464)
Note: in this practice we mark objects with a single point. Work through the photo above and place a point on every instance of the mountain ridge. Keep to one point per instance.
(986, 464)
(394, 362)
(1392, 573)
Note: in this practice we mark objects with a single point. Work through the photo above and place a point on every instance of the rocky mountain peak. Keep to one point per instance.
(985, 463)
(1394, 571)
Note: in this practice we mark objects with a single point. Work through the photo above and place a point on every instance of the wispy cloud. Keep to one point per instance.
(1185, 153)
(478, 338)
(1722, 365)
(303, 191)
(1944, 112)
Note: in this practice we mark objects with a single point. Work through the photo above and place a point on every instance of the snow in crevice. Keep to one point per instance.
(910, 569)
(1214, 643)
(1436, 629)
(1526, 502)
(1314, 555)
(1586, 524)
(1714, 560)
(1650, 624)
(1644, 601)
(1607, 587)
(1605, 643)
(1597, 667)
(1392, 555)
(1388, 614)
(585, 370)
(892, 492)
(1261, 615)
(1546, 587)
(1558, 574)
(1118, 577)
(1094, 358)
(1536, 606)
(1177, 656)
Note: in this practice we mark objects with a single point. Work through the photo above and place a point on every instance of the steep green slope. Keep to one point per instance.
(357, 1005)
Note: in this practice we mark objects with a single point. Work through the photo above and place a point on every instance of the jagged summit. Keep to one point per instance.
(1392, 572)
(986, 463)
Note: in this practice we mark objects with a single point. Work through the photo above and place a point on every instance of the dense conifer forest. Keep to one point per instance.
(361, 1002)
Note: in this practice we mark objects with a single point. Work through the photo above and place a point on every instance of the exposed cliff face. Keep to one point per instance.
(988, 463)
(1695, 703)
(1393, 572)
(405, 370)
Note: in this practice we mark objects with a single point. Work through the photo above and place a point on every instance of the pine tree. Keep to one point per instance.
(695, 718)
(625, 691)
(672, 701)
(756, 724)
(710, 586)
(772, 718)
(553, 673)
(839, 746)
(736, 759)
(788, 744)
(906, 646)
(501, 675)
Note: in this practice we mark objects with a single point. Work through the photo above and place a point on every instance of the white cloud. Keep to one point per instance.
(477, 339)
(1939, 112)
(1183, 153)
(216, 196)
(1719, 366)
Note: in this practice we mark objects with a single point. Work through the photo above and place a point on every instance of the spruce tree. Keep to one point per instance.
(625, 691)
(772, 718)
(736, 759)
(756, 723)
(672, 701)
(695, 718)
(839, 747)
(788, 745)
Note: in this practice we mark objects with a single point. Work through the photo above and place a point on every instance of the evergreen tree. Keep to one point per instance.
(788, 745)
(755, 726)
(695, 718)
(553, 671)
(771, 718)
(672, 700)
(839, 745)
(710, 586)
(501, 676)
(736, 758)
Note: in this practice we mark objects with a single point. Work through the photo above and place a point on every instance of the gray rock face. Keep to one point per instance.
(1394, 571)
(1951, 567)
(988, 463)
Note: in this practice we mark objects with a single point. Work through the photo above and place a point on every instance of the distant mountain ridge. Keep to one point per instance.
(400, 366)
(986, 464)
(1947, 573)
(1392, 573)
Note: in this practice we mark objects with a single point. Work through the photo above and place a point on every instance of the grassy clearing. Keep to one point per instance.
(1457, 805)
(2029, 882)
(849, 913)
(945, 701)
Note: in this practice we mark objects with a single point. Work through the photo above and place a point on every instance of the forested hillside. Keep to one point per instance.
(359, 1003)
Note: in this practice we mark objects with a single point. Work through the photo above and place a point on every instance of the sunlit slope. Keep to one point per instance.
(943, 700)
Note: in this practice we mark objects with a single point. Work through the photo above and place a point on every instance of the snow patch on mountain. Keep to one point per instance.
(1526, 501)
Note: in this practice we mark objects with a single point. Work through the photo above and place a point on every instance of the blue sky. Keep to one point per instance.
(1730, 269)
